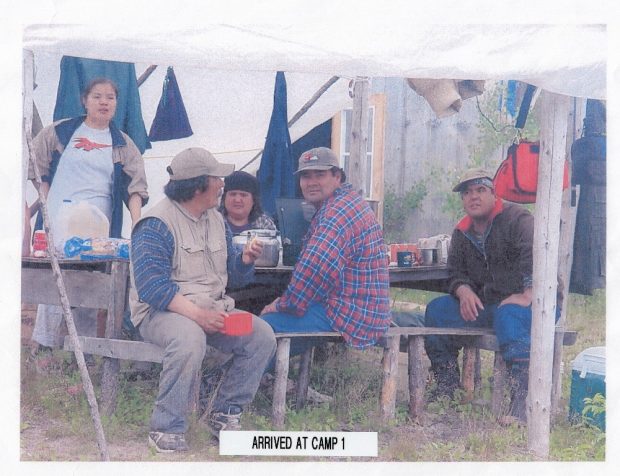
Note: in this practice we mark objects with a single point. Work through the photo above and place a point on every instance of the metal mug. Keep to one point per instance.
(428, 256)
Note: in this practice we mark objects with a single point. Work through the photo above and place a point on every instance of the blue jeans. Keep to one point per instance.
(512, 325)
(185, 345)
(314, 320)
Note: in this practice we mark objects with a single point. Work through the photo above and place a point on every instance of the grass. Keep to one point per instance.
(449, 432)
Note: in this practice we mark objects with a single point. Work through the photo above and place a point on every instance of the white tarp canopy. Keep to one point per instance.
(226, 72)
(566, 59)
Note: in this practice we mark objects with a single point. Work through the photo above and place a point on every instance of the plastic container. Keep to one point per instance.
(587, 379)
(238, 323)
(60, 227)
(87, 221)
(96, 248)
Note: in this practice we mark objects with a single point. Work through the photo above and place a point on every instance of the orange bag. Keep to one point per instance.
(516, 179)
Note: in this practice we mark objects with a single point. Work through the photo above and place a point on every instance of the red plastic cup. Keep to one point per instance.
(238, 323)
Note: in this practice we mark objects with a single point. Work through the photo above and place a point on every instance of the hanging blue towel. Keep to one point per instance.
(275, 173)
(511, 98)
(171, 120)
(76, 73)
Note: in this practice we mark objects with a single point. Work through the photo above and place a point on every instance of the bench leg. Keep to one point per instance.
(109, 385)
(417, 375)
(279, 385)
(478, 375)
(390, 378)
(304, 378)
(499, 384)
(467, 377)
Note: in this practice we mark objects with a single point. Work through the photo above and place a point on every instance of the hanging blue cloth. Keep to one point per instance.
(76, 73)
(171, 120)
(275, 173)
(511, 98)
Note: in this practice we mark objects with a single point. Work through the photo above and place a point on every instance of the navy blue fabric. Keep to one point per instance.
(171, 121)
(120, 181)
(275, 173)
(75, 74)
(512, 325)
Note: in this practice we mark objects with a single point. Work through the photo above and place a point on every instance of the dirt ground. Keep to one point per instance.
(45, 438)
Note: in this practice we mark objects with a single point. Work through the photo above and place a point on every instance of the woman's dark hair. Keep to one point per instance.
(184, 190)
(94, 82)
(257, 209)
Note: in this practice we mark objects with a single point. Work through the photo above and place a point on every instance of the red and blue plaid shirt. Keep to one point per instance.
(343, 265)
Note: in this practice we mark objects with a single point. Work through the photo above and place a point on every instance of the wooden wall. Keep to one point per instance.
(416, 141)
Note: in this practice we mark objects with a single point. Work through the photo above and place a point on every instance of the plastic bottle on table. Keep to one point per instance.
(61, 227)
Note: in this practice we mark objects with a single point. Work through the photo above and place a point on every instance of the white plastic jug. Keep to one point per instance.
(87, 221)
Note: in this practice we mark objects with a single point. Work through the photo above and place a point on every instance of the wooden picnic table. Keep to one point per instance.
(97, 284)
(275, 279)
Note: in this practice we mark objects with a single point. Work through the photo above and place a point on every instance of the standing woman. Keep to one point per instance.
(87, 158)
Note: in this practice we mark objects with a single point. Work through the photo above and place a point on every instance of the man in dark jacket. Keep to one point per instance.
(490, 265)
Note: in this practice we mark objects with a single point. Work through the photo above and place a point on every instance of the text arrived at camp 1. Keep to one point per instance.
(301, 442)
(291, 443)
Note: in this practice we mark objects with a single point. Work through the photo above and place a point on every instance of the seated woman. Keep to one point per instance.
(241, 204)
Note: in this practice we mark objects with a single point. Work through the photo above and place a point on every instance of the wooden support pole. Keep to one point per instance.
(303, 380)
(390, 379)
(356, 170)
(417, 375)
(147, 72)
(568, 218)
(64, 300)
(553, 122)
(279, 384)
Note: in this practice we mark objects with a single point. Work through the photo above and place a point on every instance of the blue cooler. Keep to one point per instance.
(588, 379)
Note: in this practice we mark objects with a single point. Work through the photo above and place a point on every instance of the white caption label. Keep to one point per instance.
(298, 443)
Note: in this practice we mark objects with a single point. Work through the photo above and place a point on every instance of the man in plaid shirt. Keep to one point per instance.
(341, 281)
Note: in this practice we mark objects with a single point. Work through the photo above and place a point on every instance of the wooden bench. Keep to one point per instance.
(474, 340)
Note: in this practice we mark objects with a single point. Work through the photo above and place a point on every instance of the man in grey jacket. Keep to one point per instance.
(182, 257)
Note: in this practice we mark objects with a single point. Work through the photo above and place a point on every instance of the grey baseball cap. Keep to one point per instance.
(319, 158)
(196, 161)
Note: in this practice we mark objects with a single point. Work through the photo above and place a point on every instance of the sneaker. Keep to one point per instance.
(167, 442)
(220, 421)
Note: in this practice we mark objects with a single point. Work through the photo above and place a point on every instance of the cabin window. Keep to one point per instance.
(341, 144)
